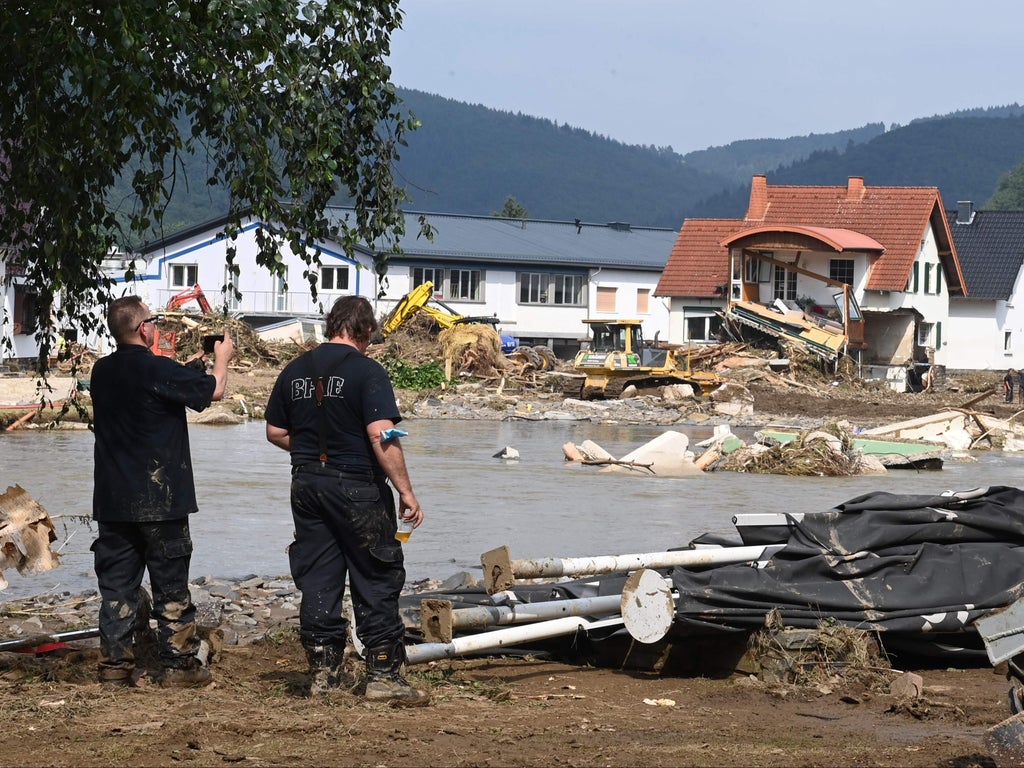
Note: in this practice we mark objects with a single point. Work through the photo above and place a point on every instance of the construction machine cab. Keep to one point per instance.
(616, 336)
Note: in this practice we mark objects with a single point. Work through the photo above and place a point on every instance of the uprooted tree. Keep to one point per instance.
(288, 102)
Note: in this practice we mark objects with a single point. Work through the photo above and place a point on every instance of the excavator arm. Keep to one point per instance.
(178, 300)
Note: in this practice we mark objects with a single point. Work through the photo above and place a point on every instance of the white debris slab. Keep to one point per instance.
(667, 455)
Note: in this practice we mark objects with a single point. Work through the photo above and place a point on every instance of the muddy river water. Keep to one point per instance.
(538, 505)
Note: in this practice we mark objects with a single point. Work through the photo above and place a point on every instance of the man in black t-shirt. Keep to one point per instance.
(144, 492)
(333, 410)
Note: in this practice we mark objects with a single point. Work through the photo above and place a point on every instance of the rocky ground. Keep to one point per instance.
(528, 710)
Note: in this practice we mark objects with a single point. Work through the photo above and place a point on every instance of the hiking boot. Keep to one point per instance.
(192, 676)
(116, 677)
(327, 668)
(384, 680)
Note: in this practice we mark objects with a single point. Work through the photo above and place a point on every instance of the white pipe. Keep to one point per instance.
(499, 638)
(480, 616)
(574, 566)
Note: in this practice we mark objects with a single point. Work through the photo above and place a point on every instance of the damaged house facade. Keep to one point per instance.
(861, 271)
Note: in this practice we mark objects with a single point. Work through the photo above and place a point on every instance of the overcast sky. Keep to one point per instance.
(691, 74)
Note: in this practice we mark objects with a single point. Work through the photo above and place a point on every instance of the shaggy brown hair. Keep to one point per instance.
(351, 316)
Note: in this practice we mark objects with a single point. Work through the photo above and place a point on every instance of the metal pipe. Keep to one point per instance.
(481, 616)
(58, 637)
(499, 638)
(501, 571)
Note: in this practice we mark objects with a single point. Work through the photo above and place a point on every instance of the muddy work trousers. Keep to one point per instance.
(123, 552)
(345, 526)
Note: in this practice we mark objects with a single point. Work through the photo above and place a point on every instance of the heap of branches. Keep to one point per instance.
(809, 455)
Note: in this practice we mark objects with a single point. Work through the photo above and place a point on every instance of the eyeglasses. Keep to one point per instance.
(154, 319)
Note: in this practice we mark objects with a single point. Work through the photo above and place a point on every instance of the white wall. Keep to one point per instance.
(258, 287)
(932, 303)
(683, 308)
(501, 299)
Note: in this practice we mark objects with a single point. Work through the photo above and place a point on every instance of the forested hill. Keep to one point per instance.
(962, 156)
(468, 159)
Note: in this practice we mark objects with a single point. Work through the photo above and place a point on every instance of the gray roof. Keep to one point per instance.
(530, 242)
(990, 246)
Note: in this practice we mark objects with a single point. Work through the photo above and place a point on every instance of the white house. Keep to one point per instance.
(987, 326)
(541, 279)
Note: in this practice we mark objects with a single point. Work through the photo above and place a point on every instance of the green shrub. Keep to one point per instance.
(416, 377)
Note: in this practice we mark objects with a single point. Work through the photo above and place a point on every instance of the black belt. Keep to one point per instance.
(340, 474)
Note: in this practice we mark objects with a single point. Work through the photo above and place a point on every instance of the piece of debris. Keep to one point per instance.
(26, 533)
(667, 455)
(508, 452)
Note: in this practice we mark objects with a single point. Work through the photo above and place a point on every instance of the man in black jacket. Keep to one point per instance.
(144, 492)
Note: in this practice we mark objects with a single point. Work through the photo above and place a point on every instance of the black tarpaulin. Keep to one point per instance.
(881, 561)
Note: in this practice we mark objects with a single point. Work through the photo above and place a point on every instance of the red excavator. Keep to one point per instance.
(178, 300)
(164, 341)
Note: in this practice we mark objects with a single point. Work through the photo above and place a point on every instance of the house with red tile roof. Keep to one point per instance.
(840, 270)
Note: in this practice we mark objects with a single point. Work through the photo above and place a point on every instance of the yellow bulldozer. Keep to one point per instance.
(617, 356)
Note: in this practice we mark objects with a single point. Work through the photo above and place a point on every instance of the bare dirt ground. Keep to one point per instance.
(491, 711)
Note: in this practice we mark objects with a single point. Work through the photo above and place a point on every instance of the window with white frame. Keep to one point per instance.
(703, 327)
(568, 289)
(1007, 342)
(784, 284)
(463, 285)
(551, 288)
(334, 278)
(451, 284)
(924, 334)
(183, 275)
(421, 275)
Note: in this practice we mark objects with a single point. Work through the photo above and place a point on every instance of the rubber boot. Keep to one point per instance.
(384, 680)
(327, 668)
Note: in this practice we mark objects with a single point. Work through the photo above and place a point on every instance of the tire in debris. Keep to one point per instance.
(547, 358)
(526, 356)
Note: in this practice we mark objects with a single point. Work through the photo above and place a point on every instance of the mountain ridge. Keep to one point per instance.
(469, 158)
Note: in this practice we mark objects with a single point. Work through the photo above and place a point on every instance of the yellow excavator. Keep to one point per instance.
(617, 357)
(420, 300)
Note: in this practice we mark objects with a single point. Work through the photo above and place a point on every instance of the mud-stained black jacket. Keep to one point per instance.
(143, 469)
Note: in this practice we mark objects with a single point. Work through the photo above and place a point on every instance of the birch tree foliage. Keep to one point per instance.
(288, 101)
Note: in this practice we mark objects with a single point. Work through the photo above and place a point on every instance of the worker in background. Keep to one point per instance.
(1008, 381)
(334, 410)
(1020, 386)
(144, 492)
